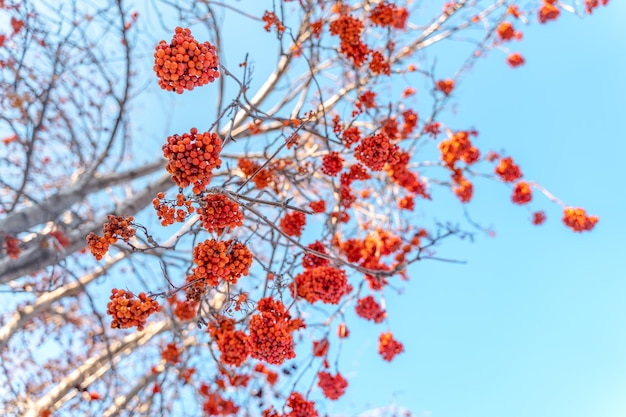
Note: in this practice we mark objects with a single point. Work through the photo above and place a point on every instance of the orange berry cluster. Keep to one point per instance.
(577, 219)
(522, 193)
(185, 310)
(185, 63)
(332, 164)
(221, 259)
(11, 246)
(116, 227)
(410, 122)
(216, 405)
(400, 174)
(262, 179)
(378, 64)
(310, 260)
(349, 30)
(463, 189)
(270, 376)
(270, 20)
(128, 311)
(592, 4)
(167, 211)
(333, 387)
(515, 60)
(508, 170)
(300, 407)
(388, 14)
(445, 86)
(191, 158)
(271, 338)
(369, 309)
(548, 11)
(388, 347)
(233, 344)
(351, 136)
(318, 206)
(219, 212)
(506, 32)
(375, 151)
(458, 147)
(293, 223)
(538, 218)
(324, 283)
(407, 203)
(171, 353)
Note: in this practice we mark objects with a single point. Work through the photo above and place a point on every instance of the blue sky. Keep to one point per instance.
(533, 323)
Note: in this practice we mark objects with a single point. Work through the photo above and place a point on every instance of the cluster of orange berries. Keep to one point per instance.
(221, 259)
(538, 218)
(128, 311)
(515, 60)
(410, 122)
(11, 246)
(369, 309)
(388, 14)
(548, 11)
(318, 206)
(191, 158)
(271, 332)
(332, 164)
(577, 219)
(445, 86)
(116, 227)
(388, 347)
(333, 387)
(349, 29)
(508, 170)
(300, 407)
(522, 193)
(459, 147)
(375, 151)
(351, 136)
(216, 405)
(270, 20)
(171, 353)
(167, 211)
(324, 283)
(400, 174)
(310, 260)
(185, 63)
(293, 223)
(262, 179)
(463, 189)
(378, 64)
(233, 344)
(219, 212)
(506, 32)
(592, 4)
(185, 310)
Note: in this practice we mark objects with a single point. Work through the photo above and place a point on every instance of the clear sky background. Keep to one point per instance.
(534, 323)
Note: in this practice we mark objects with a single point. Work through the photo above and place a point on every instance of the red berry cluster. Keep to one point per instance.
(378, 64)
(351, 136)
(216, 405)
(388, 347)
(262, 179)
(219, 212)
(324, 283)
(548, 11)
(400, 174)
(318, 206)
(221, 259)
(300, 407)
(185, 310)
(333, 387)
(506, 32)
(463, 189)
(271, 338)
(375, 151)
(538, 218)
(592, 4)
(515, 60)
(577, 219)
(191, 158)
(293, 223)
(128, 311)
(310, 260)
(349, 29)
(270, 376)
(445, 86)
(270, 20)
(116, 227)
(11, 246)
(185, 63)
(332, 164)
(233, 344)
(410, 122)
(167, 211)
(369, 309)
(171, 353)
(522, 193)
(458, 147)
(508, 170)
(388, 14)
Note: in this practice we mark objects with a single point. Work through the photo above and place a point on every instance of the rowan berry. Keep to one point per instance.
(300, 407)
(219, 212)
(375, 151)
(270, 20)
(506, 32)
(388, 347)
(515, 60)
(332, 164)
(293, 223)
(522, 193)
(577, 219)
(318, 206)
(378, 64)
(232, 343)
(310, 260)
(538, 218)
(369, 309)
(128, 311)
(116, 227)
(548, 11)
(11, 246)
(192, 157)
(508, 170)
(323, 283)
(333, 387)
(445, 86)
(351, 136)
(270, 376)
(388, 14)
(185, 310)
(171, 353)
(184, 63)
(349, 29)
